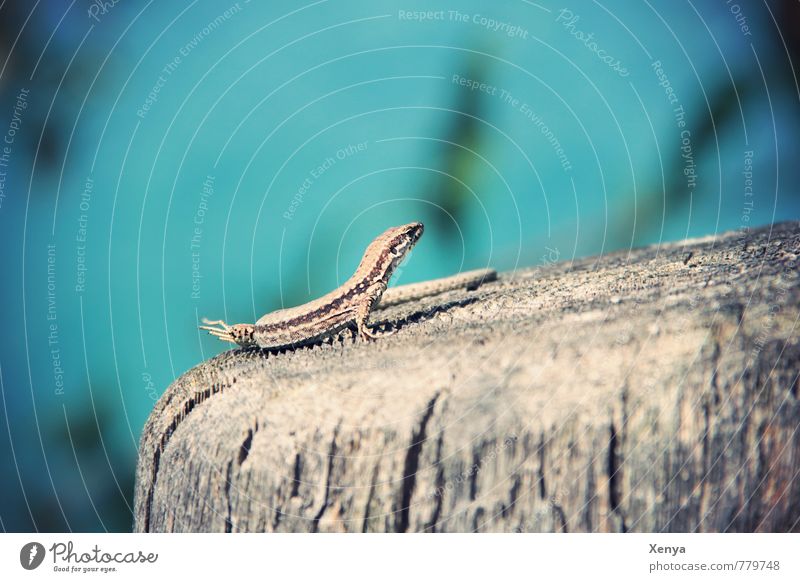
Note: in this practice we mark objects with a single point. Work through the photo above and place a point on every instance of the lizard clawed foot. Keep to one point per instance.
(223, 332)
(367, 334)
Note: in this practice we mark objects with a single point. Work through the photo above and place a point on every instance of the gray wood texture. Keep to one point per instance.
(651, 390)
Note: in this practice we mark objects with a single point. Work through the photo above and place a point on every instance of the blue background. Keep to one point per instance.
(585, 161)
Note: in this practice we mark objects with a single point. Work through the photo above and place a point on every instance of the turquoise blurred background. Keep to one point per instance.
(169, 161)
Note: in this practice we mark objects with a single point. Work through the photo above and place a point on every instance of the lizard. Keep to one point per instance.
(351, 303)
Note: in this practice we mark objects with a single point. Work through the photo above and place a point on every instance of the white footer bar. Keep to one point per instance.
(408, 557)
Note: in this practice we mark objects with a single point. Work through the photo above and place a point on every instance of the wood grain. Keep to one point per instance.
(650, 390)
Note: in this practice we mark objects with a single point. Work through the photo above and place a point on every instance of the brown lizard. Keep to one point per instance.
(352, 302)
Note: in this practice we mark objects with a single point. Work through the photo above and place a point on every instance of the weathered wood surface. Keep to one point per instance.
(655, 390)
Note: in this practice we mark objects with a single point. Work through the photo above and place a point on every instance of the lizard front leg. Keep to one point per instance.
(364, 308)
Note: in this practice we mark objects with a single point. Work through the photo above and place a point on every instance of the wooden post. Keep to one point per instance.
(651, 390)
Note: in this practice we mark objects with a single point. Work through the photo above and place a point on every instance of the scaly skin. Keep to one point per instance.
(351, 303)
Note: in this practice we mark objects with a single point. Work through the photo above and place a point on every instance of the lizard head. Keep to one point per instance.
(406, 236)
(239, 333)
(388, 250)
(399, 240)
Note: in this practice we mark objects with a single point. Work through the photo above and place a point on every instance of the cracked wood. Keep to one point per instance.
(650, 390)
